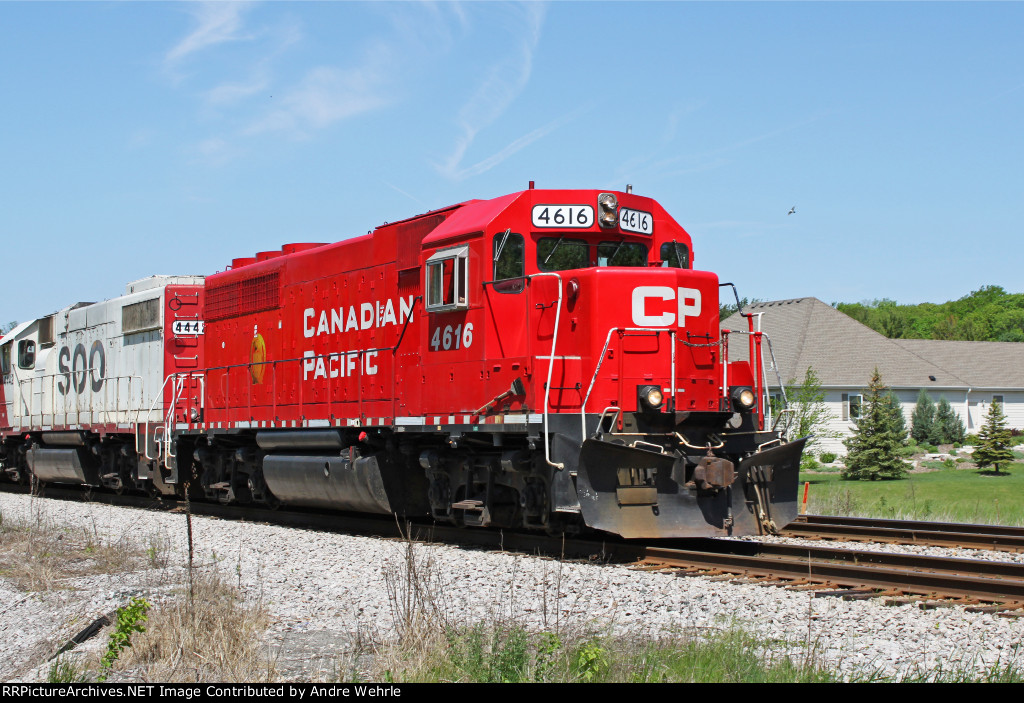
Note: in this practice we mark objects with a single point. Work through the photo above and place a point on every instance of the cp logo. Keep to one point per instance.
(648, 313)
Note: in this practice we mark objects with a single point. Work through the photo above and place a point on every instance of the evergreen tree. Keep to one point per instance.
(922, 422)
(951, 427)
(880, 432)
(993, 440)
(899, 422)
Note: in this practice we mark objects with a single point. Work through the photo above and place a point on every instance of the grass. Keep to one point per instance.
(482, 654)
(198, 628)
(944, 494)
(38, 553)
(210, 635)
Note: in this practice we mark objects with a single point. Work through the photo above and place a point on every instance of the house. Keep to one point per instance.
(805, 332)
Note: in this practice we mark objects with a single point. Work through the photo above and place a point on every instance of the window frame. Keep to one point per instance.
(459, 256)
(510, 284)
(23, 353)
(848, 406)
(665, 262)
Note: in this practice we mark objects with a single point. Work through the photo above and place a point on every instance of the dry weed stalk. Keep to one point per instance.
(417, 593)
(206, 634)
(38, 554)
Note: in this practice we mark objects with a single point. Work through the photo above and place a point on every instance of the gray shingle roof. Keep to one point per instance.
(980, 364)
(807, 332)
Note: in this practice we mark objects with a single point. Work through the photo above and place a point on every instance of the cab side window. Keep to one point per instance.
(448, 280)
(509, 263)
(5, 359)
(26, 354)
(675, 255)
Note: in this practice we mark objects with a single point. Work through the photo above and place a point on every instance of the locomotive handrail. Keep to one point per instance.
(149, 414)
(27, 409)
(775, 365)
(607, 341)
(299, 360)
(551, 367)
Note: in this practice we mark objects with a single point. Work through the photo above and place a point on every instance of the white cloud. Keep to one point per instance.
(326, 95)
(518, 144)
(215, 151)
(218, 22)
(502, 85)
(231, 93)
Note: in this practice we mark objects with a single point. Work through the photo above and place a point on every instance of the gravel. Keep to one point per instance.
(327, 592)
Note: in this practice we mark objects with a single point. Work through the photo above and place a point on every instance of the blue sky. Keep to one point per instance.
(143, 138)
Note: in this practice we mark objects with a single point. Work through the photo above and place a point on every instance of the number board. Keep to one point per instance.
(182, 328)
(636, 221)
(563, 216)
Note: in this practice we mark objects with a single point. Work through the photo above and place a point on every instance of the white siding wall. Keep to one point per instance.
(972, 412)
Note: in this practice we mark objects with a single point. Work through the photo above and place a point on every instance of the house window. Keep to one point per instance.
(997, 399)
(26, 354)
(852, 405)
(448, 280)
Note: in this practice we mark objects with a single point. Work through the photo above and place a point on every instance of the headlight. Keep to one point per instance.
(743, 398)
(650, 396)
(607, 210)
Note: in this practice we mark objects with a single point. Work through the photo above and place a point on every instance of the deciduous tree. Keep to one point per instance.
(811, 417)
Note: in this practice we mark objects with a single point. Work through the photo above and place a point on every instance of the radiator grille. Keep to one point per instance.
(144, 315)
(242, 297)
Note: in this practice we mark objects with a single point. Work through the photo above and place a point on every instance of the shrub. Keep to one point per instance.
(828, 457)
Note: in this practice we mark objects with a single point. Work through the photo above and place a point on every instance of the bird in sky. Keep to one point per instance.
(791, 210)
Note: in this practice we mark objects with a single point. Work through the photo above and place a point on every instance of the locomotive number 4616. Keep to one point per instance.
(450, 337)
(563, 216)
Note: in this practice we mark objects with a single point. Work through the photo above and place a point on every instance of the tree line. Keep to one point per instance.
(989, 314)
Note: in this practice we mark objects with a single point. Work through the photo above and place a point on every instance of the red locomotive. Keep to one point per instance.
(546, 359)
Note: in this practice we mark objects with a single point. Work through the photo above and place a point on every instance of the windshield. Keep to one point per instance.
(562, 254)
(621, 254)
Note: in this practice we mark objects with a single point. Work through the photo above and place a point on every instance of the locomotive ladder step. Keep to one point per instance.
(223, 485)
(468, 505)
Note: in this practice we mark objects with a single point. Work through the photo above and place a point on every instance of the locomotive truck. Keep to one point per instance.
(547, 359)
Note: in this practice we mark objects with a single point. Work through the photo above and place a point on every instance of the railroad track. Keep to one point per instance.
(938, 534)
(993, 586)
(981, 585)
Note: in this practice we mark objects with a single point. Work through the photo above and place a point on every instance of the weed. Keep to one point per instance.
(205, 633)
(62, 670)
(129, 620)
(591, 661)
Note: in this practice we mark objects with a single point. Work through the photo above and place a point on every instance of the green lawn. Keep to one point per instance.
(952, 495)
